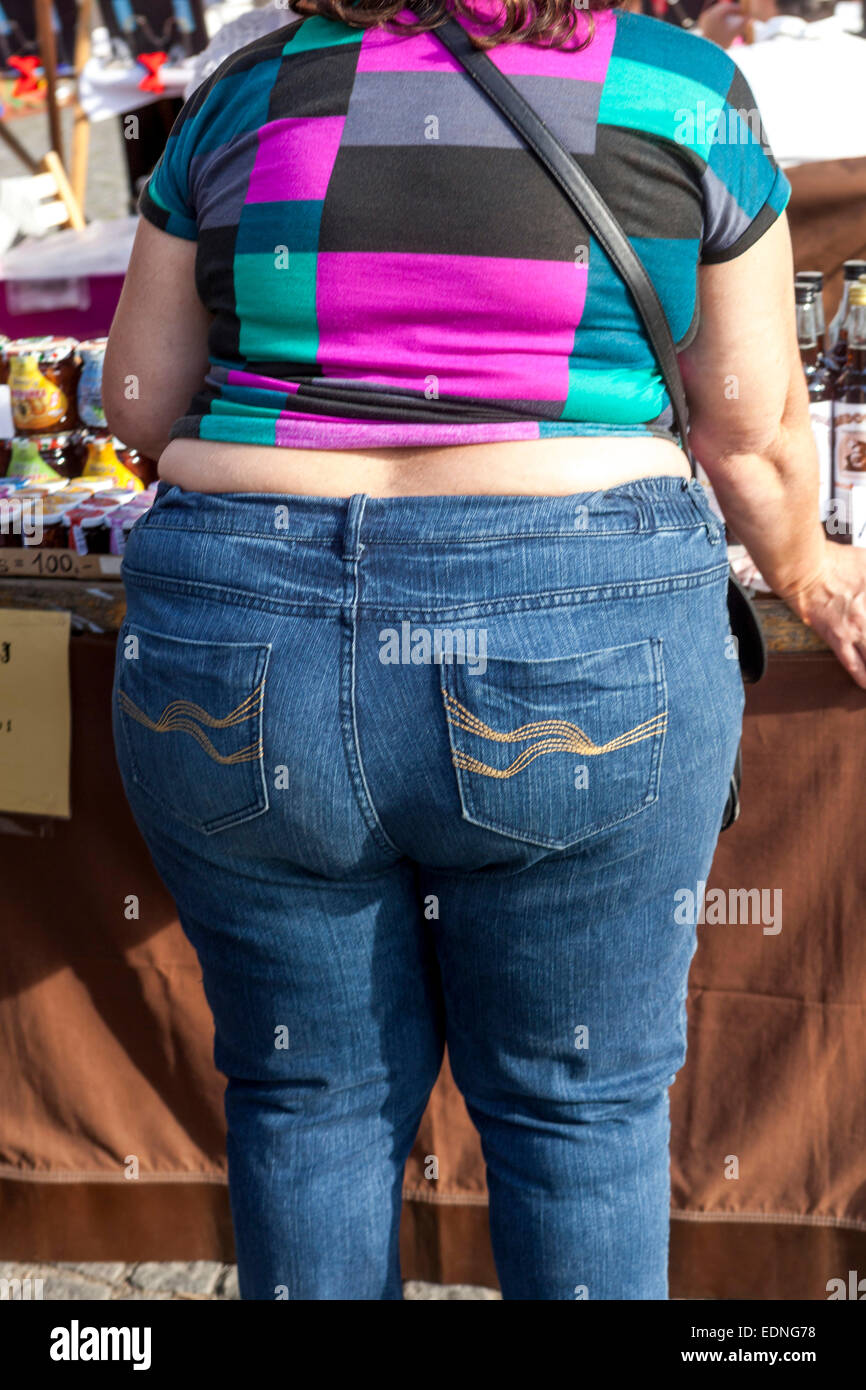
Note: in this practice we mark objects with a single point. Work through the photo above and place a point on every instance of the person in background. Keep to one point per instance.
(727, 20)
(806, 68)
(258, 18)
(683, 13)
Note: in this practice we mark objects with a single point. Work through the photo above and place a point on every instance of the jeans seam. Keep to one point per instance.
(269, 603)
(649, 522)
(348, 703)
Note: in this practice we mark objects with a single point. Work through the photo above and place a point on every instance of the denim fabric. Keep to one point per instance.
(382, 838)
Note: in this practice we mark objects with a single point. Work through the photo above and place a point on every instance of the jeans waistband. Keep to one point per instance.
(645, 504)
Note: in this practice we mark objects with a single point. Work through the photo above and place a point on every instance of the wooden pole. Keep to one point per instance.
(17, 148)
(52, 165)
(48, 56)
(81, 124)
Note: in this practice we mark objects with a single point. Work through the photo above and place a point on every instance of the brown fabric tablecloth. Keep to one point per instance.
(111, 1134)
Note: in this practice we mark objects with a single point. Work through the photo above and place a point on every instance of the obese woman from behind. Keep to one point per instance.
(425, 701)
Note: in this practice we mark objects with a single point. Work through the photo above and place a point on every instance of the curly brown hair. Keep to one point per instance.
(551, 23)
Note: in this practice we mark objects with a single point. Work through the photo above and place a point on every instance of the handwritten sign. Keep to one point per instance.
(35, 721)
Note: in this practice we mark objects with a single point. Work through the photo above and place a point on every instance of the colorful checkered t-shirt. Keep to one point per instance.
(389, 266)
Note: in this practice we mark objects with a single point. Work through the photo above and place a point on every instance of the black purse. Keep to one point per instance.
(594, 211)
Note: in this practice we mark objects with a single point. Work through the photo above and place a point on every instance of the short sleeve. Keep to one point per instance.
(165, 199)
(744, 190)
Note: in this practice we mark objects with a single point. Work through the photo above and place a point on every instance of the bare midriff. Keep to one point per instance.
(535, 468)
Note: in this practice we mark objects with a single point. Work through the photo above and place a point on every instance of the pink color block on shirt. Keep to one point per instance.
(295, 158)
(424, 315)
(384, 52)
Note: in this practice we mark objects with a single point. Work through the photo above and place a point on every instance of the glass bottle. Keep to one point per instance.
(849, 425)
(838, 332)
(819, 381)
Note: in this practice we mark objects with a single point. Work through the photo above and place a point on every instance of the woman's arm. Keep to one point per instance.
(749, 427)
(157, 350)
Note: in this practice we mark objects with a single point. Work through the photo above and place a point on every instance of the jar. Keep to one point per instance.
(46, 487)
(120, 523)
(95, 486)
(53, 531)
(90, 410)
(87, 528)
(43, 375)
(73, 522)
(10, 522)
(41, 456)
(102, 462)
(99, 535)
(33, 494)
(143, 467)
(120, 495)
(76, 494)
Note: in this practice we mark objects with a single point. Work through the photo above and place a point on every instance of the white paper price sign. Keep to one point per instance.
(35, 723)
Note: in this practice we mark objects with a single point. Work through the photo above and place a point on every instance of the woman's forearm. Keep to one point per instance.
(769, 497)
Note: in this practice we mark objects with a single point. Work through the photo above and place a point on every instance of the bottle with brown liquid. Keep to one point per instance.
(837, 336)
(819, 380)
(815, 278)
(849, 425)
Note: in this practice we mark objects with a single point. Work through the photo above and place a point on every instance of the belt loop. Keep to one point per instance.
(699, 500)
(352, 546)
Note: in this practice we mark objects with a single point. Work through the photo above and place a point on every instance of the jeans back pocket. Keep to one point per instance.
(555, 750)
(188, 725)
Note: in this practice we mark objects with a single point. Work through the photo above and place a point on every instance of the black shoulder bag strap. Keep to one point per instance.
(594, 211)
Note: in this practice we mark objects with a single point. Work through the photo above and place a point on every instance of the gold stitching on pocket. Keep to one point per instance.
(179, 716)
(554, 735)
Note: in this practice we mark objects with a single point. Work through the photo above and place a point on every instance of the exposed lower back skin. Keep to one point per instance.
(544, 467)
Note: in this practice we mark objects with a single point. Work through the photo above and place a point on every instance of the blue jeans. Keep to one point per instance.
(430, 770)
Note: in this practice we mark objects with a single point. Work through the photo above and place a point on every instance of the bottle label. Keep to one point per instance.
(90, 406)
(102, 462)
(850, 459)
(821, 414)
(37, 402)
(27, 462)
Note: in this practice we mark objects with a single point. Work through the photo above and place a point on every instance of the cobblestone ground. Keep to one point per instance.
(175, 1282)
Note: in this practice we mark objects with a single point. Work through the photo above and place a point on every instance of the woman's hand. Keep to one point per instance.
(722, 23)
(834, 604)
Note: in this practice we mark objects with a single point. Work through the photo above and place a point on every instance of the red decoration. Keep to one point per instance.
(153, 62)
(28, 81)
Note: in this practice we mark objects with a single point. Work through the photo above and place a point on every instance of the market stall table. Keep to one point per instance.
(112, 1137)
